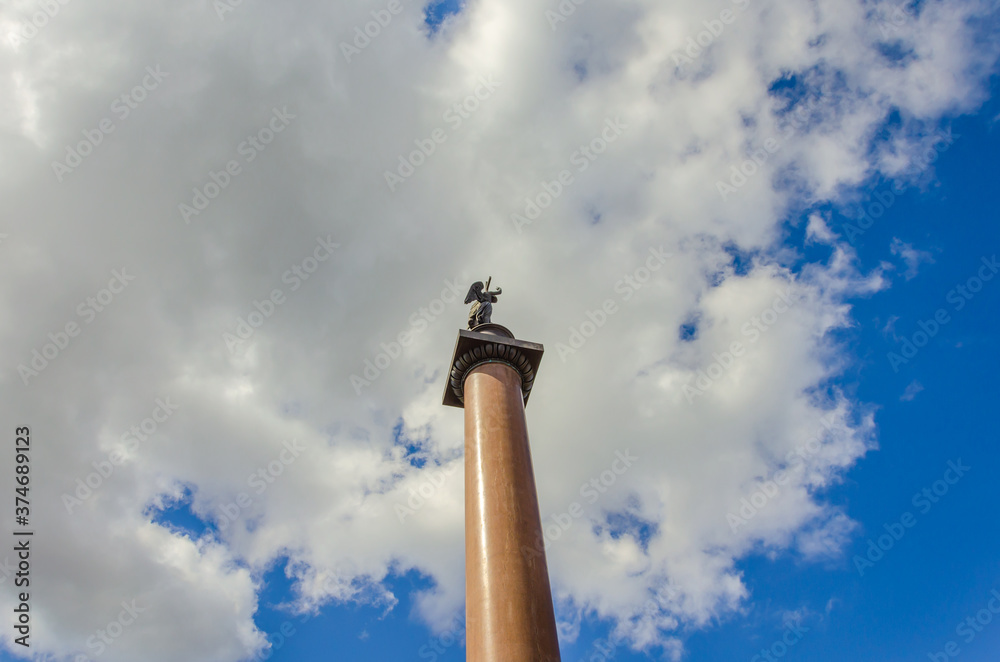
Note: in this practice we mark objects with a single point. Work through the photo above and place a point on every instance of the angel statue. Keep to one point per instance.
(482, 309)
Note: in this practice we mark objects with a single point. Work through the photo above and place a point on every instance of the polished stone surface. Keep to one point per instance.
(509, 615)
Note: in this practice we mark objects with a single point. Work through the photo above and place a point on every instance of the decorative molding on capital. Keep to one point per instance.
(490, 343)
(492, 352)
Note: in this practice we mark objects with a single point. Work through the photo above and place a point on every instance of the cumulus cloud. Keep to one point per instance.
(278, 210)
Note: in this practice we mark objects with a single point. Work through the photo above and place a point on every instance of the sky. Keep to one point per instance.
(757, 241)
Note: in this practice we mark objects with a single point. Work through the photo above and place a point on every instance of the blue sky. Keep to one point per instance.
(882, 547)
(941, 571)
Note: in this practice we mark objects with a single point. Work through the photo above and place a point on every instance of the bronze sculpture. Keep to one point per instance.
(482, 302)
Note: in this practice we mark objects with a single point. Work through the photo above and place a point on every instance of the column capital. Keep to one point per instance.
(490, 343)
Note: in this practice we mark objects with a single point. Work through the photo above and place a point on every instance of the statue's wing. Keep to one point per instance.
(474, 292)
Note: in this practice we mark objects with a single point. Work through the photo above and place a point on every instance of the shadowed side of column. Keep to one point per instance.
(509, 615)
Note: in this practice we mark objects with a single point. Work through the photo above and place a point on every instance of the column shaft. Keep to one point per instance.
(509, 616)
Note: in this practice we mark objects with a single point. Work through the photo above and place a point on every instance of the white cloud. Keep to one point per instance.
(818, 231)
(912, 257)
(912, 389)
(331, 510)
